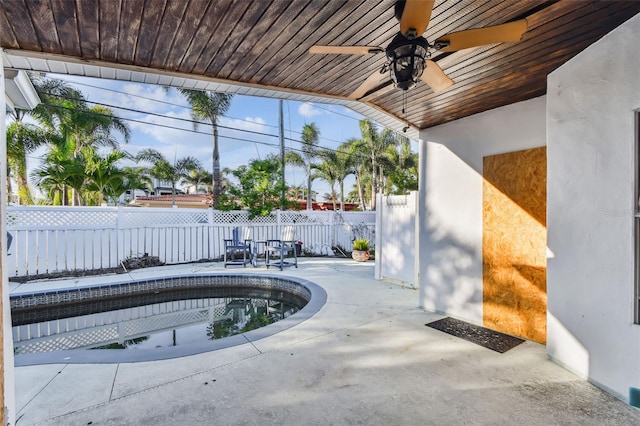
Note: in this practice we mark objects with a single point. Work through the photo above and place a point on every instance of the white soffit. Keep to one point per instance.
(58, 64)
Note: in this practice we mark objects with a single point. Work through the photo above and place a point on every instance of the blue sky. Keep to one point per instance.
(161, 119)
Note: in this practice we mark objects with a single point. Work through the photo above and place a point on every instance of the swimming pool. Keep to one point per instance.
(51, 326)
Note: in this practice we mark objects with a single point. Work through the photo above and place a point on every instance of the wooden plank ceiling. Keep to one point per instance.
(266, 42)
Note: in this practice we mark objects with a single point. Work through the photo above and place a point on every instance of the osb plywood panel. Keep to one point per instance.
(514, 238)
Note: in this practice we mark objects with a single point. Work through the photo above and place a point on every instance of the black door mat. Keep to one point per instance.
(482, 336)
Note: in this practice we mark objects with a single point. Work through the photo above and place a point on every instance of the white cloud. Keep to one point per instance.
(165, 129)
(238, 140)
(308, 110)
(148, 98)
(257, 124)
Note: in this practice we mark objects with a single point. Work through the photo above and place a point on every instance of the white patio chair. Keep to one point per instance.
(281, 248)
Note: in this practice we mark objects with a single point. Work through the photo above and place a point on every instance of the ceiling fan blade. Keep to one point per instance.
(369, 84)
(509, 32)
(435, 77)
(346, 50)
(415, 17)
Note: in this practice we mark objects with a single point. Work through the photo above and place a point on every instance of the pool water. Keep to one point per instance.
(156, 318)
(149, 321)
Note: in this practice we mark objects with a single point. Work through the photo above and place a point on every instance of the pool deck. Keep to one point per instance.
(365, 358)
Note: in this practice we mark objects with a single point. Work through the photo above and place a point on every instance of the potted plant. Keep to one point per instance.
(360, 250)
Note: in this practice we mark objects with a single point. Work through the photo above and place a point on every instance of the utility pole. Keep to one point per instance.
(282, 193)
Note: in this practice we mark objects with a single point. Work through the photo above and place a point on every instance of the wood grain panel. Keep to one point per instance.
(6, 33)
(262, 46)
(66, 22)
(128, 35)
(233, 50)
(222, 32)
(270, 56)
(20, 21)
(149, 30)
(266, 42)
(109, 29)
(380, 16)
(266, 19)
(214, 17)
(44, 24)
(514, 243)
(173, 15)
(88, 29)
(195, 15)
(293, 56)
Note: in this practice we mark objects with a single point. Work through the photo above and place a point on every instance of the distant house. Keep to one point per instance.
(203, 201)
(326, 205)
(191, 201)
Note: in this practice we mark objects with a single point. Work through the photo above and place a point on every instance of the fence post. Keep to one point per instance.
(209, 231)
(380, 206)
(119, 226)
(278, 223)
(332, 228)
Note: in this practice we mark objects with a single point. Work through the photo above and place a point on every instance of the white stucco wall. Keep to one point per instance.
(450, 253)
(590, 124)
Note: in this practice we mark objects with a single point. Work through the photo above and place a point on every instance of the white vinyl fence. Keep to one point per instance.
(60, 239)
(396, 251)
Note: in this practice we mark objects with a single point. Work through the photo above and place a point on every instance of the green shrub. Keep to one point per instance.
(361, 244)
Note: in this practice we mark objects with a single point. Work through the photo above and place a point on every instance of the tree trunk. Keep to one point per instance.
(9, 189)
(24, 194)
(65, 195)
(374, 183)
(333, 198)
(75, 196)
(309, 200)
(216, 167)
(360, 192)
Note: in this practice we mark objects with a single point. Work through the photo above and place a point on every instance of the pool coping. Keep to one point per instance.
(113, 356)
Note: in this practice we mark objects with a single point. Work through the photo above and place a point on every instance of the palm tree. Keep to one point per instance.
(80, 129)
(22, 139)
(344, 166)
(375, 145)
(334, 168)
(326, 170)
(166, 171)
(58, 173)
(210, 106)
(360, 170)
(65, 110)
(403, 174)
(136, 178)
(104, 177)
(310, 134)
(199, 179)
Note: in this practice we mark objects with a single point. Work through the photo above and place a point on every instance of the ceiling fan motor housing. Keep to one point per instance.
(407, 60)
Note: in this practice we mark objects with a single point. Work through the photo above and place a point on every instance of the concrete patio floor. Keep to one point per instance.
(365, 358)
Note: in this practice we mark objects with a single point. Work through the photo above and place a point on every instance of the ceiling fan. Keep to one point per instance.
(408, 53)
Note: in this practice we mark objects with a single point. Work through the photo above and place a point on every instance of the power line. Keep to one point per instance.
(133, 120)
(187, 107)
(191, 121)
(151, 99)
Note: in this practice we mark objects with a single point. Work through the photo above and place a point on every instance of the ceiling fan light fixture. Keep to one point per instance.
(407, 60)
